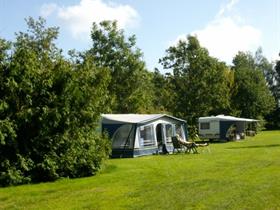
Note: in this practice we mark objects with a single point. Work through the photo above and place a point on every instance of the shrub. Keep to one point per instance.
(49, 110)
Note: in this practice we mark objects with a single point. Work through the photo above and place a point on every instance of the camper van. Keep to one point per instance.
(221, 127)
(135, 135)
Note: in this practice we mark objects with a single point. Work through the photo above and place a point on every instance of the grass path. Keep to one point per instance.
(235, 175)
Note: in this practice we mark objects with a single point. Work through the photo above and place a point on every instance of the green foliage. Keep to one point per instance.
(13, 171)
(163, 87)
(130, 88)
(200, 84)
(252, 98)
(49, 110)
(272, 75)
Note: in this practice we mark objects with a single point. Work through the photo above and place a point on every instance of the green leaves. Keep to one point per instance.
(199, 84)
(253, 98)
(130, 83)
(49, 110)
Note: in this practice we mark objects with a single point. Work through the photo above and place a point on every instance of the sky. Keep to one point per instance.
(224, 27)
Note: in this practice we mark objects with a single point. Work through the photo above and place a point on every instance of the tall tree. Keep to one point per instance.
(201, 84)
(252, 98)
(268, 70)
(131, 87)
(277, 82)
(273, 80)
(272, 76)
(163, 88)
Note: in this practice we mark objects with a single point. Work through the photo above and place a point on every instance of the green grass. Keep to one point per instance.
(235, 175)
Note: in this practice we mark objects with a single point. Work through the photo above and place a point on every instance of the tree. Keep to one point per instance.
(131, 87)
(252, 98)
(273, 80)
(163, 89)
(275, 87)
(49, 110)
(201, 83)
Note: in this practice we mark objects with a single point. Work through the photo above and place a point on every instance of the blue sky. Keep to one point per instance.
(222, 26)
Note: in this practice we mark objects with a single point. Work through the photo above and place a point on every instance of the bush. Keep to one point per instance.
(49, 110)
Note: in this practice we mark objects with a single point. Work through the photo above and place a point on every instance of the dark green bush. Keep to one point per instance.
(49, 110)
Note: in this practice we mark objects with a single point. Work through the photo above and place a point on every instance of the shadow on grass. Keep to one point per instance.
(108, 169)
(4, 199)
(255, 146)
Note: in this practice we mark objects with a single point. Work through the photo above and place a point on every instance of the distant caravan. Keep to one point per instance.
(223, 127)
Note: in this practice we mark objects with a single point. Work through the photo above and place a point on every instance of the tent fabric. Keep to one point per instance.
(133, 118)
(226, 118)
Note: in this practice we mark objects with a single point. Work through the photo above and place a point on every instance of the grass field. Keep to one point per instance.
(235, 175)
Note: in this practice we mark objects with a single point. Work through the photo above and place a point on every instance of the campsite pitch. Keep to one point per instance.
(235, 175)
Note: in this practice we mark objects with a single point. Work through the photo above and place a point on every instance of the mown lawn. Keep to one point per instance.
(236, 175)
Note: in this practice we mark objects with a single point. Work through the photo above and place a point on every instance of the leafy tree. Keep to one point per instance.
(265, 66)
(131, 87)
(49, 110)
(277, 82)
(201, 84)
(252, 98)
(163, 89)
(273, 80)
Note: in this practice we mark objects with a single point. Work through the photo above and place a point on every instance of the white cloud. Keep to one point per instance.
(79, 18)
(47, 9)
(226, 35)
(227, 8)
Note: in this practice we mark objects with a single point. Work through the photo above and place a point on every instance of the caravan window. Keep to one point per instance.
(147, 135)
(168, 133)
(205, 126)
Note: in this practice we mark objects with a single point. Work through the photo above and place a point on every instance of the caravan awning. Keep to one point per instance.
(226, 118)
